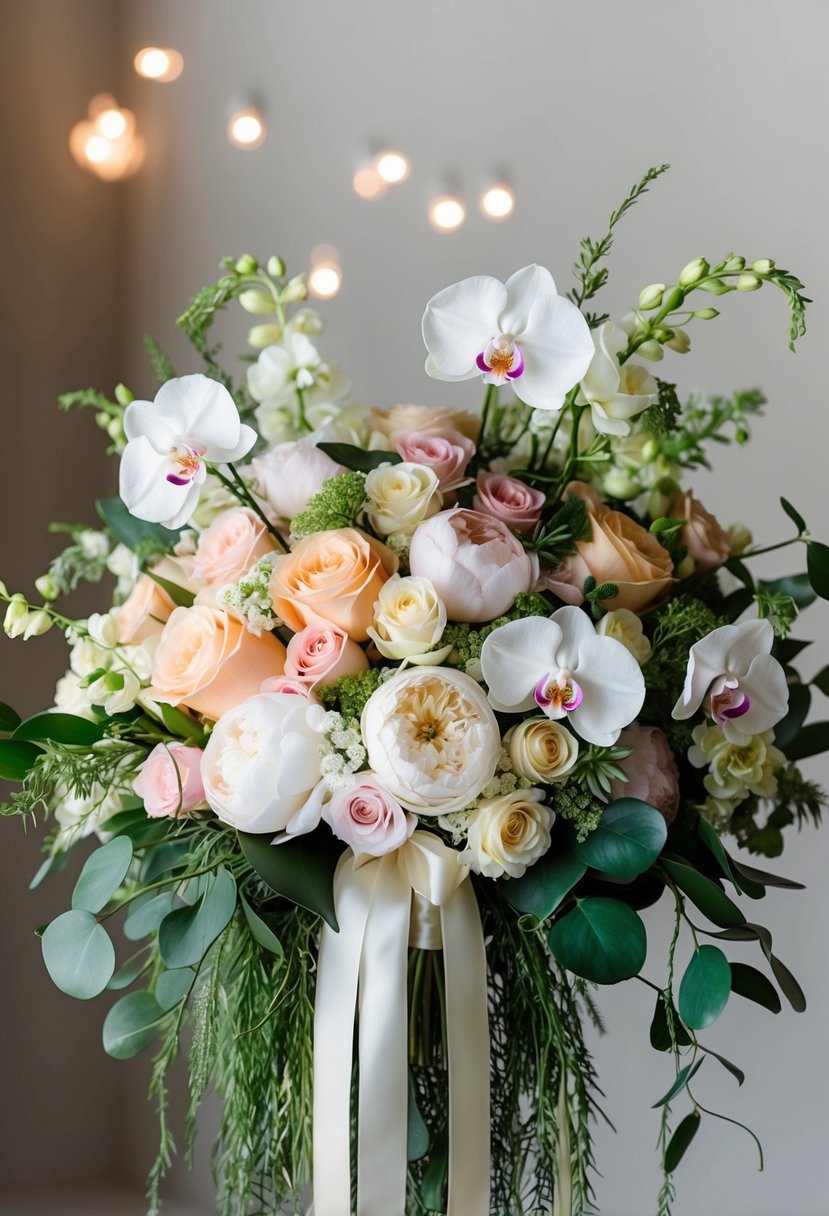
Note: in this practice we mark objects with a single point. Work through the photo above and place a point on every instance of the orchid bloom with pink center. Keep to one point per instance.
(561, 665)
(733, 671)
(521, 333)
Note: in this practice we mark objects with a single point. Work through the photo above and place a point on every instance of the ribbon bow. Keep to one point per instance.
(374, 898)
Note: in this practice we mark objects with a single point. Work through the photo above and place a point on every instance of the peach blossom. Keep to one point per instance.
(510, 500)
(169, 782)
(323, 652)
(229, 547)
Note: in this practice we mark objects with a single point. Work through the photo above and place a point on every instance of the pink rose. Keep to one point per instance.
(445, 450)
(291, 473)
(650, 769)
(706, 541)
(169, 783)
(143, 612)
(229, 547)
(287, 684)
(509, 499)
(322, 651)
(474, 562)
(368, 818)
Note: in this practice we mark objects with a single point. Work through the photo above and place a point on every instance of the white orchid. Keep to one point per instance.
(520, 333)
(564, 667)
(615, 392)
(745, 686)
(193, 422)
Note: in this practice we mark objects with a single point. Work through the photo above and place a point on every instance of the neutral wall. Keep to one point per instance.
(572, 101)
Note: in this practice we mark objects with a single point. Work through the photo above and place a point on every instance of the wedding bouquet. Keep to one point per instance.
(397, 718)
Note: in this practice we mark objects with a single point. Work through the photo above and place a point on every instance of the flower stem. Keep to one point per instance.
(782, 544)
(300, 404)
(235, 483)
(490, 399)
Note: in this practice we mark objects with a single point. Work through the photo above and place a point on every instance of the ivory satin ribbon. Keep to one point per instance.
(367, 961)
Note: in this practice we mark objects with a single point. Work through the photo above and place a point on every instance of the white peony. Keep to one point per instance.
(400, 496)
(507, 834)
(409, 619)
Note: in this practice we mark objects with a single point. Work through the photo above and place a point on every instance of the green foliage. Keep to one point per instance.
(579, 805)
(338, 504)
(131, 1025)
(750, 983)
(627, 840)
(779, 609)
(301, 870)
(554, 539)
(681, 1140)
(102, 874)
(817, 567)
(705, 988)
(186, 934)
(159, 360)
(85, 772)
(595, 594)
(663, 417)
(543, 886)
(138, 535)
(602, 940)
(78, 562)
(89, 398)
(467, 641)
(349, 694)
(360, 460)
(704, 419)
(676, 627)
(78, 954)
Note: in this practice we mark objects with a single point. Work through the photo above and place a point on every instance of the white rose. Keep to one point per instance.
(401, 496)
(432, 739)
(508, 834)
(541, 749)
(262, 763)
(409, 619)
(626, 627)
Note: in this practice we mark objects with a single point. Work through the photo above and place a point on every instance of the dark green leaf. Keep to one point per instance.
(186, 934)
(750, 983)
(794, 515)
(134, 966)
(418, 1132)
(102, 874)
(682, 1078)
(182, 725)
(817, 567)
(660, 1033)
(795, 585)
(172, 986)
(62, 728)
(710, 838)
(141, 829)
(162, 859)
(821, 681)
(705, 988)
(810, 741)
(131, 1025)
(132, 532)
(433, 1187)
(680, 1141)
(786, 650)
(711, 900)
(180, 596)
(628, 840)
(788, 984)
(9, 718)
(16, 758)
(301, 870)
(543, 886)
(736, 1072)
(260, 930)
(78, 954)
(787, 731)
(358, 458)
(601, 939)
(764, 878)
(146, 914)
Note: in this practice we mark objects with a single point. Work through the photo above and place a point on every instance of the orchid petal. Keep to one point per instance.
(247, 439)
(557, 350)
(613, 686)
(460, 320)
(145, 489)
(524, 288)
(706, 661)
(142, 420)
(515, 656)
(576, 627)
(767, 689)
(750, 638)
(435, 372)
(199, 408)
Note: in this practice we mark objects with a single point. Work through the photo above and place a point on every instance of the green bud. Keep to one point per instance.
(706, 314)
(650, 451)
(115, 430)
(662, 335)
(102, 419)
(114, 681)
(618, 484)
(693, 272)
(295, 289)
(661, 496)
(715, 286)
(742, 434)
(749, 282)
(672, 299)
(16, 613)
(763, 265)
(37, 623)
(679, 342)
(739, 538)
(264, 335)
(4, 591)
(686, 567)
(276, 267)
(124, 395)
(256, 301)
(651, 351)
(47, 587)
(246, 264)
(651, 296)
(734, 264)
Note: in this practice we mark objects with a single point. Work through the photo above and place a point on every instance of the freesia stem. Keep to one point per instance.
(782, 544)
(300, 402)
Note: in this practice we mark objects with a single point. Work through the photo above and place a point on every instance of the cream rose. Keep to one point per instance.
(508, 834)
(169, 782)
(261, 766)
(425, 418)
(368, 818)
(541, 749)
(409, 618)
(626, 627)
(323, 652)
(400, 496)
(230, 546)
(208, 661)
(651, 771)
(332, 576)
(706, 541)
(476, 564)
(144, 612)
(432, 739)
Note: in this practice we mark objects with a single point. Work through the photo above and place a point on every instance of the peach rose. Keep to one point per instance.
(207, 660)
(425, 418)
(144, 612)
(509, 499)
(619, 551)
(332, 576)
(230, 546)
(706, 541)
(442, 449)
(651, 771)
(323, 652)
(169, 783)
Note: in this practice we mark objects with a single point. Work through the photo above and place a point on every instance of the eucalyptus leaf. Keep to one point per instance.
(817, 567)
(78, 954)
(186, 934)
(684, 1075)
(543, 886)
(358, 458)
(127, 974)
(750, 983)
(131, 1025)
(301, 870)
(172, 986)
(61, 728)
(629, 838)
(601, 939)
(705, 988)
(681, 1139)
(16, 758)
(130, 531)
(260, 931)
(660, 1034)
(711, 900)
(102, 874)
(55, 861)
(146, 914)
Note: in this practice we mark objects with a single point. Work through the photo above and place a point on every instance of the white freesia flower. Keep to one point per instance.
(520, 333)
(432, 740)
(115, 691)
(564, 667)
(400, 496)
(291, 364)
(733, 669)
(409, 620)
(262, 766)
(508, 834)
(192, 422)
(616, 393)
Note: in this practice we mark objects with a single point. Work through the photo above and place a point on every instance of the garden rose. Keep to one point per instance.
(208, 661)
(432, 739)
(169, 782)
(541, 749)
(291, 473)
(507, 834)
(706, 541)
(510, 500)
(323, 652)
(409, 618)
(144, 612)
(476, 564)
(332, 576)
(400, 496)
(229, 547)
(443, 449)
(651, 771)
(297, 688)
(368, 818)
(425, 418)
(261, 766)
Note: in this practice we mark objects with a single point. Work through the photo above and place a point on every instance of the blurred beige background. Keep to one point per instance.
(571, 102)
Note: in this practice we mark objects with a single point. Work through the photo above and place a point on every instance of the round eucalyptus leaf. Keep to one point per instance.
(628, 840)
(131, 1025)
(705, 988)
(102, 874)
(78, 954)
(173, 986)
(186, 934)
(601, 939)
(146, 914)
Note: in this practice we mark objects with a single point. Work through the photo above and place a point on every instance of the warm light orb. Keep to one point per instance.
(392, 167)
(325, 280)
(97, 149)
(106, 142)
(368, 183)
(158, 63)
(498, 202)
(246, 129)
(446, 213)
(111, 123)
